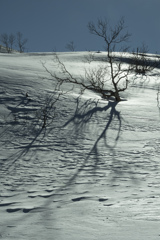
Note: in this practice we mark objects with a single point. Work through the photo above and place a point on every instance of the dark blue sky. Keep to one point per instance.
(51, 24)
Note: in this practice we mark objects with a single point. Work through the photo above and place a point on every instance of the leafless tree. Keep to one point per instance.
(11, 41)
(8, 41)
(70, 46)
(111, 77)
(113, 37)
(142, 62)
(21, 42)
(111, 70)
(5, 40)
(93, 79)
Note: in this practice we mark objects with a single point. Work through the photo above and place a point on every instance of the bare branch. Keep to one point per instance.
(21, 42)
(5, 40)
(11, 41)
(142, 62)
(70, 46)
(111, 35)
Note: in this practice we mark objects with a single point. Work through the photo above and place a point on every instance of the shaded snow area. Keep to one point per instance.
(93, 172)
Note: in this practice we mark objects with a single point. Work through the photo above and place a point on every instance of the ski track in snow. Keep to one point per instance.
(96, 162)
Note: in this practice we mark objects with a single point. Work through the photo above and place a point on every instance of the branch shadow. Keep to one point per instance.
(24, 126)
(10, 162)
(81, 119)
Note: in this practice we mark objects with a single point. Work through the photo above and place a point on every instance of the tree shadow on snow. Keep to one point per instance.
(20, 124)
(103, 142)
(9, 163)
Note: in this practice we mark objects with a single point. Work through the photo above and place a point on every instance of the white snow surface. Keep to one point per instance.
(93, 172)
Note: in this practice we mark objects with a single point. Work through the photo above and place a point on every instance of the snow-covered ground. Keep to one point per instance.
(93, 172)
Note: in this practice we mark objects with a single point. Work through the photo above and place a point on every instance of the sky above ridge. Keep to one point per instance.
(51, 24)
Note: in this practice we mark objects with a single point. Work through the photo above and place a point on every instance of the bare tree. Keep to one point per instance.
(111, 77)
(141, 62)
(70, 46)
(5, 40)
(113, 37)
(8, 41)
(21, 42)
(11, 41)
(93, 79)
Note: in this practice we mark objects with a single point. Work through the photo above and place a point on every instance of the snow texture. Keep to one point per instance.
(93, 172)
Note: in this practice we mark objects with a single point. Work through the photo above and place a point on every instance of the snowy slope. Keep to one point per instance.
(93, 172)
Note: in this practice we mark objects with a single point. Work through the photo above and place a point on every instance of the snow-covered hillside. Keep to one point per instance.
(93, 172)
